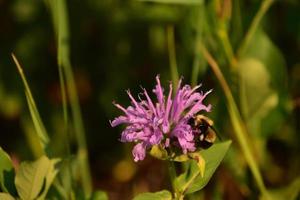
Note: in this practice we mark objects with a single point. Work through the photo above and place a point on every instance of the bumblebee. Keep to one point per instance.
(203, 129)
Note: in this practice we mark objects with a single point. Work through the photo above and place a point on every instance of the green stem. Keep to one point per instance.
(62, 82)
(265, 5)
(65, 110)
(172, 173)
(222, 33)
(172, 54)
(197, 57)
(237, 123)
(59, 10)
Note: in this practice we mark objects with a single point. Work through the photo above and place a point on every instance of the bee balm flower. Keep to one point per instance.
(164, 122)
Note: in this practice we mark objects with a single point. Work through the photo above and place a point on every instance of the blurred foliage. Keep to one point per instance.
(118, 44)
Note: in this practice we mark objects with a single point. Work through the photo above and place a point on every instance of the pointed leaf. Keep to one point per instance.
(191, 181)
(162, 195)
(39, 126)
(213, 157)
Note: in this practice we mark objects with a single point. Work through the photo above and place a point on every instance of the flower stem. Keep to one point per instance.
(237, 123)
(172, 54)
(172, 173)
(265, 5)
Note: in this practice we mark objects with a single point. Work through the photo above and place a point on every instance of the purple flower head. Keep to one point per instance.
(163, 122)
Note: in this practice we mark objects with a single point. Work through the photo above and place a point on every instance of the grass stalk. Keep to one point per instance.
(172, 54)
(198, 61)
(223, 35)
(59, 10)
(265, 5)
(237, 123)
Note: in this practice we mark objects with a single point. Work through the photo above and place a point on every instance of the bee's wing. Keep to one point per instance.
(217, 133)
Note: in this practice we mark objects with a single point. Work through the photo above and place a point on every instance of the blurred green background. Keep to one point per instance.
(122, 44)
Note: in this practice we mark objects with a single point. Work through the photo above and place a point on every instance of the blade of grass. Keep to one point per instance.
(223, 35)
(59, 10)
(37, 121)
(172, 54)
(198, 58)
(265, 5)
(237, 123)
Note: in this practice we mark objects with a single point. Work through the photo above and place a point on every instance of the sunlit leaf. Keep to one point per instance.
(50, 176)
(162, 195)
(6, 196)
(6, 173)
(191, 181)
(32, 177)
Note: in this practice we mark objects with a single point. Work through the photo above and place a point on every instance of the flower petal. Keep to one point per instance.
(119, 120)
(139, 152)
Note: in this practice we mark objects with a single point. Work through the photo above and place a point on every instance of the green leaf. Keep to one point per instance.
(6, 196)
(263, 49)
(99, 195)
(263, 85)
(39, 126)
(37, 121)
(32, 177)
(256, 93)
(7, 173)
(51, 174)
(161, 195)
(185, 2)
(191, 181)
